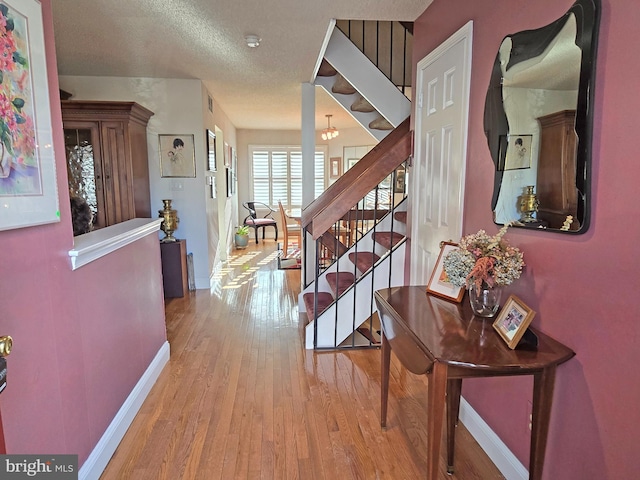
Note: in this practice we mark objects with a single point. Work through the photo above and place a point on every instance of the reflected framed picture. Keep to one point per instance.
(335, 167)
(513, 320)
(439, 284)
(211, 151)
(515, 152)
(177, 156)
(28, 188)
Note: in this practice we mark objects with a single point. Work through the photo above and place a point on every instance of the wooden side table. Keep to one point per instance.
(446, 342)
(174, 268)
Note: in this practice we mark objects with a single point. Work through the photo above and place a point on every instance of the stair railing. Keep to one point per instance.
(362, 219)
(387, 44)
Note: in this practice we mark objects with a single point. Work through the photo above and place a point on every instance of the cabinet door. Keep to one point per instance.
(118, 182)
(84, 166)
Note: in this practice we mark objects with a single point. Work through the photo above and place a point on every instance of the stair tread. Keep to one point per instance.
(388, 239)
(324, 300)
(342, 86)
(400, 216)
(380, 123)
(363, 260)
(362, 105)
(340, 281)
(326, 69)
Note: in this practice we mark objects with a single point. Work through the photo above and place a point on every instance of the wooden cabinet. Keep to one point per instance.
(556, 183)
(107, 159)
(174, 268)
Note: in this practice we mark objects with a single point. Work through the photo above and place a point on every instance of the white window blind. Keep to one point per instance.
(277, 175)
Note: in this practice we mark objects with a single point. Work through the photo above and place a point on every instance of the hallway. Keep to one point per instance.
(242, 399)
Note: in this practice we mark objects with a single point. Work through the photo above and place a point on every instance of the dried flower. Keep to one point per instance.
(483, 259)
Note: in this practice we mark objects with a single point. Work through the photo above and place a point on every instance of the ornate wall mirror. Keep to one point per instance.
(538, 121)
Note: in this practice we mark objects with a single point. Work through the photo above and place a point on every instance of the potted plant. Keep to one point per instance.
(242, 236)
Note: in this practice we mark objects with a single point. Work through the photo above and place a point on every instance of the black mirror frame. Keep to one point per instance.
(528, 44)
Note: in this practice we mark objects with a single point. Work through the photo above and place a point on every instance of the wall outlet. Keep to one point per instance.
(530, 411)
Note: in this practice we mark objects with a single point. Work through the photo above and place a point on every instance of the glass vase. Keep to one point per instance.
(486, 300)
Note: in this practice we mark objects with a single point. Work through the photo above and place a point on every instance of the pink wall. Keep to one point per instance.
(82, 338)
(584, 288)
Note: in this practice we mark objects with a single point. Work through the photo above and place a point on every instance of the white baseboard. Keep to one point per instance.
(106, 446)
(495, 448)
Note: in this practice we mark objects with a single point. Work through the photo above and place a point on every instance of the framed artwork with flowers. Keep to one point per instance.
(28, 190)
(439, 283)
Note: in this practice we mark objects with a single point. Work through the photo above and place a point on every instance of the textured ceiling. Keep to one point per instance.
(204, 39)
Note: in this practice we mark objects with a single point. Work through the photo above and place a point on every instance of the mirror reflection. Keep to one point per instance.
(538, 123)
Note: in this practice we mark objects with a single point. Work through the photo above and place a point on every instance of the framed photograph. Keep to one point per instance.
(439, 283)
(234, 170)
(351, 162)
(211, 151)
(229, 182)
(335, 167)
(28, 188)
(227, 155)
(177, 156)
(513, 320)
(515, 152)
(400, 180)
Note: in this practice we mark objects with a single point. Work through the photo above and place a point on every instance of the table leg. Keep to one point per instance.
(454, 387)
(543, 383)
(435, 417)
(386, 360)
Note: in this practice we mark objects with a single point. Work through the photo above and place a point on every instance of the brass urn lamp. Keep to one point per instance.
(528, 205)
(169, 221)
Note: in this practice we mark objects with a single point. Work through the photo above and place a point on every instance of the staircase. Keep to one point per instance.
(360, 86)
(367, 204)
(338, 303)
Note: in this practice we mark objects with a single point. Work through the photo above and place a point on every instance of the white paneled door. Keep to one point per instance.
(442, 112)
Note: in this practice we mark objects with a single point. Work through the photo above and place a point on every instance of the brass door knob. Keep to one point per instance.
(6, 343)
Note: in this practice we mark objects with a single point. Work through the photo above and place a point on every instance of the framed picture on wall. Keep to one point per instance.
(177, 156)
(516, 152)
(211, 151)
(27, 165)
(335, 167)
(400, 180)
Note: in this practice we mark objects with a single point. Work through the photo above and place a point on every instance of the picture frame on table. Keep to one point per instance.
(513, 320)
(211, 151)
(439, 284)
(177, 156)
(28, 185)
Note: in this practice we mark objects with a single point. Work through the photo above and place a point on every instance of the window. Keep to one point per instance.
(277, 174)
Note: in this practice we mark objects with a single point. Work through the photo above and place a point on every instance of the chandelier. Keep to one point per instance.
(329, 132)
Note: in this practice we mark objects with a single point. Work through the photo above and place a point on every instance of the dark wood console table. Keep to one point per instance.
(446, 342)
(174, 268)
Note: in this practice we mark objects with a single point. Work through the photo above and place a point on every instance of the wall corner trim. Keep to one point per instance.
(106, 446)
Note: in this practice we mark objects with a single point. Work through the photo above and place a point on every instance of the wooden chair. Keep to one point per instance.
(252, 220)
(289, 229)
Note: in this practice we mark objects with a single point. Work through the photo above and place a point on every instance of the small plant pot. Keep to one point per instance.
(242, 241)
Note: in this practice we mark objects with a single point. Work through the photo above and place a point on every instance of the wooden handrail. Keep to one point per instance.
(359, 180)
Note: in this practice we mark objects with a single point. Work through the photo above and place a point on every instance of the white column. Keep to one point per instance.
(308, 141)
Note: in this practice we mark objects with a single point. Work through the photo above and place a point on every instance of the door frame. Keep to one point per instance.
(465, 35)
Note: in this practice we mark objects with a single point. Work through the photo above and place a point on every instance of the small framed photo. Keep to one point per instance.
(335, 167)
(513, 320)
(400, 180)
(515, 152)
(177, 156)
(439, 282)
(211, 151)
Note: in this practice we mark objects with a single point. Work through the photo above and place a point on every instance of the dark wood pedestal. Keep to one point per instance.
(174, 268)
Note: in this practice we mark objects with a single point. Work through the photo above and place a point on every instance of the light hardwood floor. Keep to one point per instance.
(242, 399)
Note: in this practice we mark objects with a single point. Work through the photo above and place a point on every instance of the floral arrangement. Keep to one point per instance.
(483, 259)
